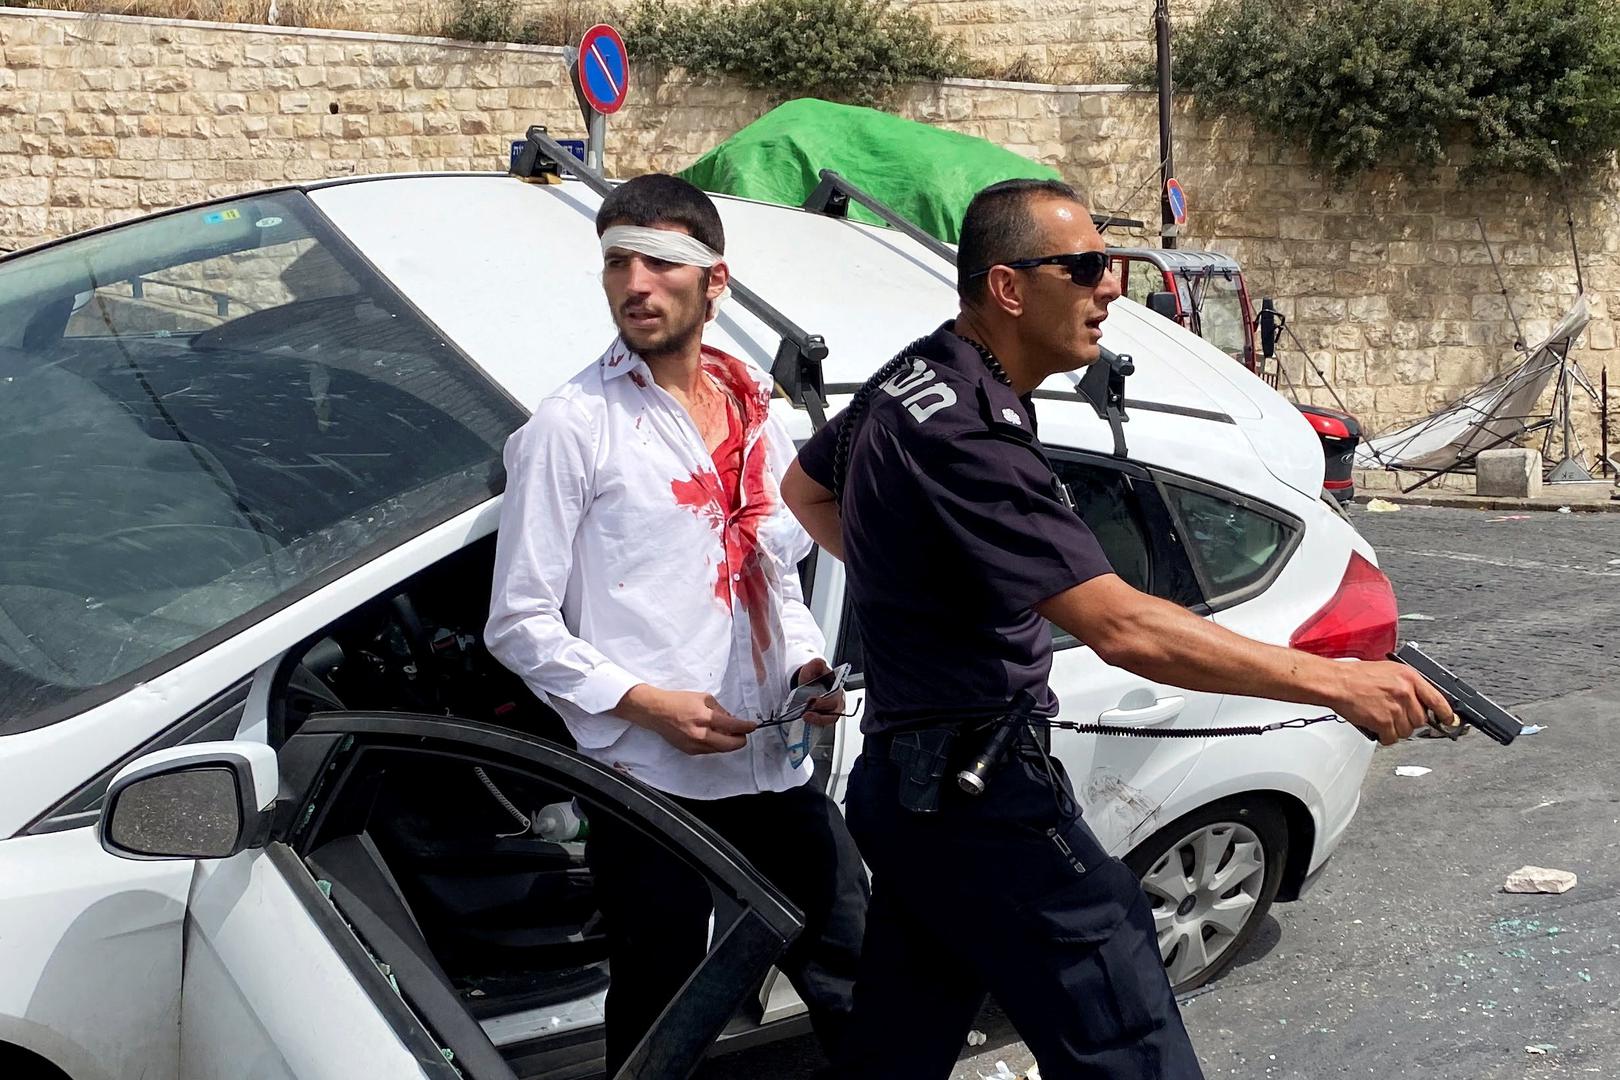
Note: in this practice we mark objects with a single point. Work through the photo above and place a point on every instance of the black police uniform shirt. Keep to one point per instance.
(954, 528)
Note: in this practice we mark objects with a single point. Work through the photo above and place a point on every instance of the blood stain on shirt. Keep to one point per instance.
(743, 574)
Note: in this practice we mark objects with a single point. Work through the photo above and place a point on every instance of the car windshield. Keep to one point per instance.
(1220, 313)
(203, 416)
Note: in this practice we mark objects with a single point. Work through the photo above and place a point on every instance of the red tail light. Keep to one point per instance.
(1360, 620)
(1331, 426)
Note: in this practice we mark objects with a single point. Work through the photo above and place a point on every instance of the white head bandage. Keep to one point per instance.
(666, 244)
(669, 245)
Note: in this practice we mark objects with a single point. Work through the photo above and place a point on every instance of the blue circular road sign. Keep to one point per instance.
(604, 68)
(1178, 200)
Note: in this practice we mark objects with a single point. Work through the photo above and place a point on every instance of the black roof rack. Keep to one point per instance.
(797, 366)
(832, 197)
(835, 191)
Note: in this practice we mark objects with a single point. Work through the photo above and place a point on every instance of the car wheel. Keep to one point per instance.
(1210, 877)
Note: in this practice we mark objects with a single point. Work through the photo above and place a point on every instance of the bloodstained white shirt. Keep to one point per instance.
(617, 564)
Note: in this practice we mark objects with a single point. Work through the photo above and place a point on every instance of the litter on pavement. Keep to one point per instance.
(1004, 1073)
(1381, 506)
(977, 1038)
(1413, 616)
(1565, 510)
(1540, 1048)
(1412, 770)
(1532, 729)
(1539, 879)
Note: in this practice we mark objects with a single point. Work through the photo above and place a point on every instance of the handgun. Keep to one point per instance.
(1471, 707)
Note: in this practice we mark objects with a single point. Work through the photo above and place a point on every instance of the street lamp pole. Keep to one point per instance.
(1167, 163)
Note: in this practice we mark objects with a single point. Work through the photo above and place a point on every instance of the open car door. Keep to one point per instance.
(402, 873)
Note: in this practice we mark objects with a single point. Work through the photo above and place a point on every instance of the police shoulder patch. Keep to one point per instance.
(920, 390)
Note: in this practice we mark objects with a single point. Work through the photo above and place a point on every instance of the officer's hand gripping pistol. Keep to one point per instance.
(1472, 708)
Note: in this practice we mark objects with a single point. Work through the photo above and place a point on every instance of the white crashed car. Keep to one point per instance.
(268, 809)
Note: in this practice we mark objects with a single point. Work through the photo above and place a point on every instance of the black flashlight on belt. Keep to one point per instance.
(972, 779)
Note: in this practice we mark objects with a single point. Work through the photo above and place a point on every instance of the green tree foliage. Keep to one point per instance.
(1525, 84)
(850, 50)
(560, 23)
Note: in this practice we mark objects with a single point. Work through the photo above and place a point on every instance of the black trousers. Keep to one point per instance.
(656, 908)
(1005, 893)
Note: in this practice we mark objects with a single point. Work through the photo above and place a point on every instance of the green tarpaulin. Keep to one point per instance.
(926, 174)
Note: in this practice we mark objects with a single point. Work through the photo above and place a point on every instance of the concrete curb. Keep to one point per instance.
(1477, 502)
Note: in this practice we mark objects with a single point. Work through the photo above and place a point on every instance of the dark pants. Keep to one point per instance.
(656, 908)
(1007, 894)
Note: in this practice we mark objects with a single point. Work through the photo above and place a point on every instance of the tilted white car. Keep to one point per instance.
(252, 457)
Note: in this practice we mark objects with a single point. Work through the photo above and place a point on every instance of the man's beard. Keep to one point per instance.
(661, 343)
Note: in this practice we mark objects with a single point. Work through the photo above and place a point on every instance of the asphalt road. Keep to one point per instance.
(1408, 956)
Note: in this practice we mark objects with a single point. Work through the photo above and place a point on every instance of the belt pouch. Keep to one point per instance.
(922, 758)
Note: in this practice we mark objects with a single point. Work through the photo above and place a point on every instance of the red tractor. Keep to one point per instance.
(1206, 293)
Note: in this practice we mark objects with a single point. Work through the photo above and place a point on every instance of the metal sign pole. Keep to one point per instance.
(595, 141)
(586, 113)
(1167, 163)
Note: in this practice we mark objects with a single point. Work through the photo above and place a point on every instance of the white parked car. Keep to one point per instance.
(266, 805)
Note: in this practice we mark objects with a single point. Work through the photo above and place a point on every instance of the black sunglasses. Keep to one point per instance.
(1086, 268)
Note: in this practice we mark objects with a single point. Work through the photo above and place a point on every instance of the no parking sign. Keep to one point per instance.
(1177, 200)
(604, 69)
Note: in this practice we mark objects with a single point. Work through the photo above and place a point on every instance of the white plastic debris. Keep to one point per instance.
(1539, 1048)
(1414, 616)
(1412, 770)
(1381, 506)
(1532, 729)
(1539, 879)
(1565, 510)
(1004, 1073)
(977, 1038)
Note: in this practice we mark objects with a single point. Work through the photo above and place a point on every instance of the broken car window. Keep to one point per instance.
(204, 414)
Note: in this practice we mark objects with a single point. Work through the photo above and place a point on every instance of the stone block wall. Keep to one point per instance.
(103, 117)
(1386, 282)
(1056, 41)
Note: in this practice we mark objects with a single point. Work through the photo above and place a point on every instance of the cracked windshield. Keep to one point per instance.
(206, 413)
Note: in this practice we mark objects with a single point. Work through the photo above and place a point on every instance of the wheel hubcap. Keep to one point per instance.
(1204, 891)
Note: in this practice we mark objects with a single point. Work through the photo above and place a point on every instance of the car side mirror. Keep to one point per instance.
(1163, 303)
(1271, 321)
(204, 801)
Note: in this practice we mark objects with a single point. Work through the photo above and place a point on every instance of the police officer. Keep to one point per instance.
(934, 489)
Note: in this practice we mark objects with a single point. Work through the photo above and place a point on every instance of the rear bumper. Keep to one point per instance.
(1339, 433)
(1340, 799)
(1311, 879)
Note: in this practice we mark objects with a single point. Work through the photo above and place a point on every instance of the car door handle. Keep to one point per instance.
(1166, 708)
